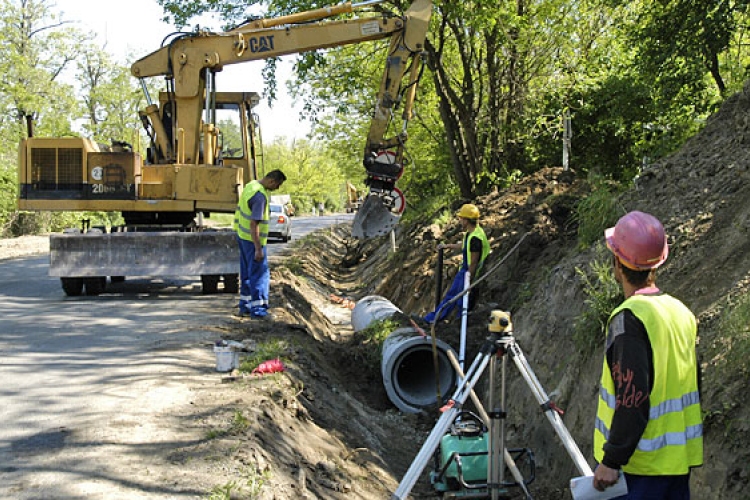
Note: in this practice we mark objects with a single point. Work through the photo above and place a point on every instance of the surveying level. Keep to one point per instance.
(459, 463)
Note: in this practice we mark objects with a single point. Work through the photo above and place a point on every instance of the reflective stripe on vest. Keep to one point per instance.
(242, 217)
(478, 232)
(673, 439)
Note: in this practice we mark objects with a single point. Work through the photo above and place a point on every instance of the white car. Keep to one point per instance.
(280, 224)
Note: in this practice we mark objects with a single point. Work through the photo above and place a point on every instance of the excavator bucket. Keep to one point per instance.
(373, 219)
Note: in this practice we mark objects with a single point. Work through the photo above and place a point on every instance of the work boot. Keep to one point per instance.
(262, 314)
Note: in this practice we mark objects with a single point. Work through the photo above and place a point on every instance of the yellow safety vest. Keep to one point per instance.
(673, 439)
(478, 232)
(242, 216)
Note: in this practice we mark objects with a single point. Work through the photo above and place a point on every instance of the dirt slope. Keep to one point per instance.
(327, 430)
(700, 193)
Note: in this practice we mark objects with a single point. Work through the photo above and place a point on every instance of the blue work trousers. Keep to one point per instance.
(657, 487)
(255, 280)
(456, 288)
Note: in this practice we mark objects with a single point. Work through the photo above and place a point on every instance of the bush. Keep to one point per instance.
(597, 211)
(734, 337)
(20, 223)
(603, 294)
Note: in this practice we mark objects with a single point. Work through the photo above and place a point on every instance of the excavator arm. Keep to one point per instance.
(190, 61)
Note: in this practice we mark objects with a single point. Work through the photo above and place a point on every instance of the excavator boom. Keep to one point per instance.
(189, 62)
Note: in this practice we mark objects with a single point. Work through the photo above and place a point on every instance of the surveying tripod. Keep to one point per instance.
(499, 342)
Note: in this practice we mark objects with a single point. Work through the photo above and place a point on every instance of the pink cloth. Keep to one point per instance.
(270, 366)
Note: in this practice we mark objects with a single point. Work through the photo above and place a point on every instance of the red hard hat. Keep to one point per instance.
(638, 240)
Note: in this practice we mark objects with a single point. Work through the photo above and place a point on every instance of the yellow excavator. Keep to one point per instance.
(203, 147)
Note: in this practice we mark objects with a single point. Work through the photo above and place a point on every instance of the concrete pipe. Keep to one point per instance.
(407, 362)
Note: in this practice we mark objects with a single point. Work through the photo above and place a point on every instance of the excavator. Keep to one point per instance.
(203, 150)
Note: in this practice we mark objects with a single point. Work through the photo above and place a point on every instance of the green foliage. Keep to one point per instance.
(110, 99)
(681, 39)
(312, 176)
(250, 490)
(597, 211)
(265, 351)
(603, 294)
(294, 264)
(370, 343)
(443, 218)
(8, 195)
(39, 50)
(36, 50)
(733, 345)
(18, 223)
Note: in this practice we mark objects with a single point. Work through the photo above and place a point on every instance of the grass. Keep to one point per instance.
(294, 264)
(603, 294)
(249, 488)
(596, 212)
(271, 349)
(370, 342)
(734, 335)
(224, 220)
(239, 424)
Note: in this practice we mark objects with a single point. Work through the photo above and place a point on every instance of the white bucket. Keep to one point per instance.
(227, 358)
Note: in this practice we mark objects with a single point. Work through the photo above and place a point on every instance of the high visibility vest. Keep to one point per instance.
(242, 216)
(478, 232)
(673, 439)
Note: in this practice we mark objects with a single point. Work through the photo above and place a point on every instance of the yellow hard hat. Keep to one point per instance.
(468, 211)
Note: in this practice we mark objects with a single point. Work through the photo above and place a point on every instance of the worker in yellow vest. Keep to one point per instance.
(251, 223)
(648, 421)
(474, 248)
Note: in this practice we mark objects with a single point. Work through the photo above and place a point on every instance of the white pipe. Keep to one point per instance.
(407, 365)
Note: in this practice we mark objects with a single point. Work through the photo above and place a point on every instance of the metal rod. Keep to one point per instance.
(568, 442)
(438, 279)
(368, 3)
(146, 93)
(464, 320)
(494, 440)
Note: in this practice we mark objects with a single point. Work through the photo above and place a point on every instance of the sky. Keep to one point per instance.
(135, 29)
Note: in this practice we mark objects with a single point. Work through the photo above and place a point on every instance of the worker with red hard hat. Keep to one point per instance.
(648, 421)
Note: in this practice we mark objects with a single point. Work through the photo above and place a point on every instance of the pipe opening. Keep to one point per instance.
(414, 377)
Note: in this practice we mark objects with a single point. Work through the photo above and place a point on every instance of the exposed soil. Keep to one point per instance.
(325, 428)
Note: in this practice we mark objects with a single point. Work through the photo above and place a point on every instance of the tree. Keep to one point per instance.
(40, 56)
(502, 74)
(37, 47)
(110, 98)
(312, 177)
(684, 39)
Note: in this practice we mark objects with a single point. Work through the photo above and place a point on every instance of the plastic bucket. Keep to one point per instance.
(227, 358)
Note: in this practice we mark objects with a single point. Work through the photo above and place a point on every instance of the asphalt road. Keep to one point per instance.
(76, 369)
